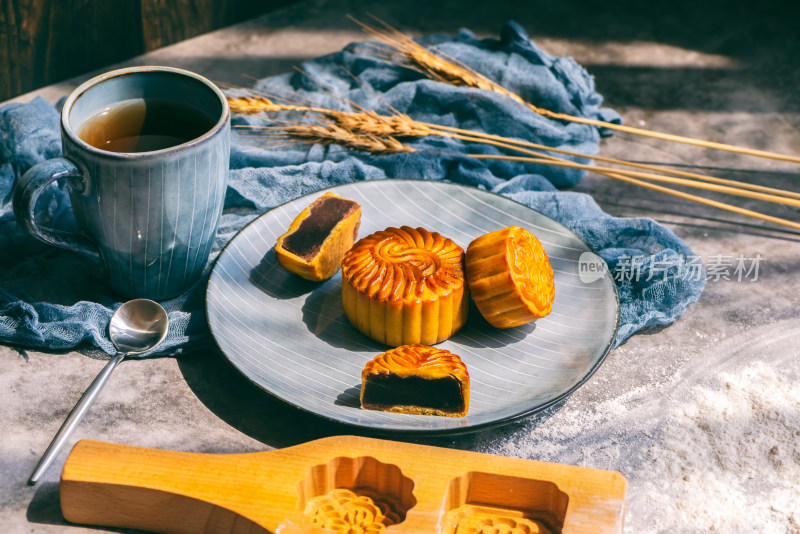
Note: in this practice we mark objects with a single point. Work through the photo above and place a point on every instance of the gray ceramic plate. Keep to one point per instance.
(290, 336)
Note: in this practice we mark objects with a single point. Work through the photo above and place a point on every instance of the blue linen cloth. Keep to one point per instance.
(30, 315)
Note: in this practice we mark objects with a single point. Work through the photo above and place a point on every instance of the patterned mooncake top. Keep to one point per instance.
(404, 265)
(344, 512)
(530, 270)
(420, 360)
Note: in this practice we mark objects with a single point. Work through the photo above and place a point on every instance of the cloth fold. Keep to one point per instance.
(48, 302)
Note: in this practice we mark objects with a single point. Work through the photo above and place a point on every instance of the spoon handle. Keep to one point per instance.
(74, 417)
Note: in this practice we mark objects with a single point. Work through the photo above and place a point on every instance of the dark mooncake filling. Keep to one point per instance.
(324, 214)
(387, 390)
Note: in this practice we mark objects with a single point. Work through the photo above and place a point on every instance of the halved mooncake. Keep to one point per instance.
(405, 285)
(317, 239)
(416, 379)
(510, 277)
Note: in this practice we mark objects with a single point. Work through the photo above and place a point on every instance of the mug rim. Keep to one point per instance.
(78, 91)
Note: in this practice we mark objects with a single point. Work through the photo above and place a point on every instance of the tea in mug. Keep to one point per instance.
(144, 125)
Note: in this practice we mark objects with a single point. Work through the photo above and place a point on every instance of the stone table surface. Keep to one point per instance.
(707, 70)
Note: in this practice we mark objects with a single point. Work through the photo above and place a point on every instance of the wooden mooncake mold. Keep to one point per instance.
(416, 379)
(418, 488)
(405, 285)
(317, 239)
(510, 277)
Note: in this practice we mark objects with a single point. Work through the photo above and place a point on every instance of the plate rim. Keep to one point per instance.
(452, 431)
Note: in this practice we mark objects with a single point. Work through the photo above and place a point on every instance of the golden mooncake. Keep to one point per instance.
(510, 277)
(317, 239)
(405, 285)
(416, 379)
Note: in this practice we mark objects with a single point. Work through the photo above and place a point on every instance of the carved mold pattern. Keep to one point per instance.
(484, 523)
(489, 503)
(345, 512)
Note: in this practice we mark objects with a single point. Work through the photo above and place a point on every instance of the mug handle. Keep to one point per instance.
(27, 191)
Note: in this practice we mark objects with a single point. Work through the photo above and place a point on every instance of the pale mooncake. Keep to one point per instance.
(510, 277)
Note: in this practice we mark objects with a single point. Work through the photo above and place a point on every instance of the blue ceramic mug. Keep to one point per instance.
(149, 218)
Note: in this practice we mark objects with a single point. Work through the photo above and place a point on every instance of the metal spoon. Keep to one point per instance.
(136, 327)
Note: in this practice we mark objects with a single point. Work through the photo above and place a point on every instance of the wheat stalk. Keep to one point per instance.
(332, 134)
(368, 131)
(448, 70)
(778, 199)
(362, 122)
(371, 123)
(436, 66)
(254, 104)
(329, 134)
(615, 161)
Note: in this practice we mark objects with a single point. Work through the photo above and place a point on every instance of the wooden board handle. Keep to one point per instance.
(162, 491)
